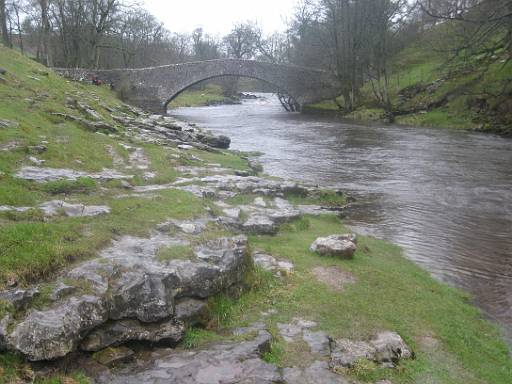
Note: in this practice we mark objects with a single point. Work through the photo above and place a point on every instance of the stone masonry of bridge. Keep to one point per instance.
(153, 88)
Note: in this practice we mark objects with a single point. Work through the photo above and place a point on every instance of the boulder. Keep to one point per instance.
(221, 141)
(343, 246)
(390, 348)
(53, 333)
(119, 332)
(142, 296)
(386, 348)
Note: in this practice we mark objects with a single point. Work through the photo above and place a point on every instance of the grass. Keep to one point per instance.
(81, 185)
(196, 98)
(177, 252)
(391, 293)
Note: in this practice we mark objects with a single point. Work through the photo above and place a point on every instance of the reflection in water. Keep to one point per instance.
(445, 196)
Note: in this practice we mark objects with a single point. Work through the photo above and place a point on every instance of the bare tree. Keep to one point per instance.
(3, 24)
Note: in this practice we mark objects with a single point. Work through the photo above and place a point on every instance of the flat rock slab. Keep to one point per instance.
(334, 277)
(316, 373)
(42, 175)
(219, 364)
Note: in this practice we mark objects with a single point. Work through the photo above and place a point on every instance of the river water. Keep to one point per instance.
(445, 196)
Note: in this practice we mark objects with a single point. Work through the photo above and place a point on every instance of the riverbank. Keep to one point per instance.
(428, 89)
(141, 177)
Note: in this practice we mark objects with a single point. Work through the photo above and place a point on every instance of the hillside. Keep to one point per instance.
(124, 234)
(431, 88)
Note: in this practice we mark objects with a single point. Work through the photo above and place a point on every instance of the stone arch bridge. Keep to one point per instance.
(154, 88)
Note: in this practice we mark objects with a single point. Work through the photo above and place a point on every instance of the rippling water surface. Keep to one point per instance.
(444, 196)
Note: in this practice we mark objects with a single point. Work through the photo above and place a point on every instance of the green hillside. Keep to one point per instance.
(430, 87)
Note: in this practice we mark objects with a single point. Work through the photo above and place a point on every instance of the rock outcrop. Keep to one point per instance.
(130, 295)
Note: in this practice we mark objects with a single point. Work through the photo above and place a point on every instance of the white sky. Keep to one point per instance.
(217, 17)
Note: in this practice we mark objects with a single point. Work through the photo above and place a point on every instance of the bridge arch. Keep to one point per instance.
(179, 92)
(153, 88)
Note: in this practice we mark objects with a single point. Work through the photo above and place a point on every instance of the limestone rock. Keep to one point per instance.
(191, 311)
(390, 348)
(221, 363)
(19, 298)
(56, 207)
(386, 348)
(46, 335)
(119, 332)
(318, 342)
(345, 353)
(335, 245)
(269, 263)
(221, 141)
(316, 373)
(113, 356)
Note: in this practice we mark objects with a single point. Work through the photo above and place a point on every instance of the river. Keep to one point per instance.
(445, 196)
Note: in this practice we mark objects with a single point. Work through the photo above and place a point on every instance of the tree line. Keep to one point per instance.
(355, 39)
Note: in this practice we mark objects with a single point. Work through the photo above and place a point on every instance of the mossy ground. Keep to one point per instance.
(390, 293)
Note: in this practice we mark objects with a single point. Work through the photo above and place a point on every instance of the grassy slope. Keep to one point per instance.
(391, 292)
(420, 65)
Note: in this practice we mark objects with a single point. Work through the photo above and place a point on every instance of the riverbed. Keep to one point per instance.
(445, 196)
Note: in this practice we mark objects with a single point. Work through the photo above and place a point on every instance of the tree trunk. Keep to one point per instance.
(45, 27)
(3, 21)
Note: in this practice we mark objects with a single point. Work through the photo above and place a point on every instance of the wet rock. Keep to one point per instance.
(113, 356)
(335, 245)
(19, 298)
(386, 348)
(57, 207)
(269, 263)
(221, 363)
(119, 332)
(221, 141)
(191, 311)
(46, 335)
(316, 373)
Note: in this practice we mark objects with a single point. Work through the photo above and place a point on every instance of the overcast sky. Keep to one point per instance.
(218, 16)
